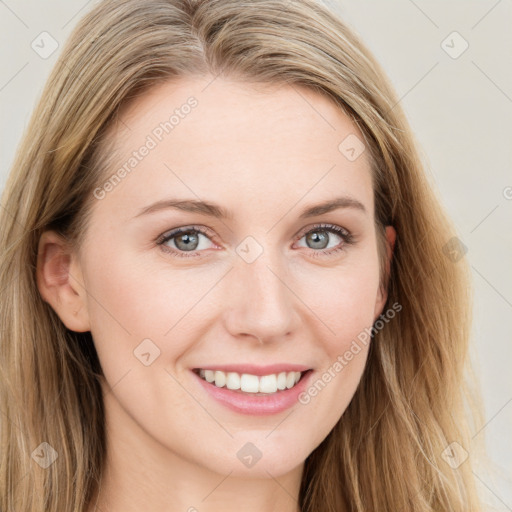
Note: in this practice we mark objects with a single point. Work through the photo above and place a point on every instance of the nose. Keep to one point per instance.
(260, 303)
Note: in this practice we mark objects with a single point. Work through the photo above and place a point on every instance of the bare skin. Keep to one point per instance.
(265, 156)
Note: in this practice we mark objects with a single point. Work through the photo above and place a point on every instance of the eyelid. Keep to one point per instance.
(340, 231)
(183, 229)
(319, 226)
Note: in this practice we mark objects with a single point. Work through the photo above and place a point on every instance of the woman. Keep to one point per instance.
(310, 353)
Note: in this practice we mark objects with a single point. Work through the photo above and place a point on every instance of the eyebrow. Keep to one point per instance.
(214, 210)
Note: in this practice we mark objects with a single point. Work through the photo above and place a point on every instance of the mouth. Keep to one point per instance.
(247, 383)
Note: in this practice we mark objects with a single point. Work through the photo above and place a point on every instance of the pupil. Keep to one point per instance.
(315, 238)
(188, 241)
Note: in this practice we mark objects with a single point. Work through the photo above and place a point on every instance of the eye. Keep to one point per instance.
(187, 241)
(320, 237)
(183, 240)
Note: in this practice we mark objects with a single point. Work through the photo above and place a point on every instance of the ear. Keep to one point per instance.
(382, 294)
(60, 282)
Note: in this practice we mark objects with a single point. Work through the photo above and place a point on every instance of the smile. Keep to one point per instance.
(248, 383)
(252, 389)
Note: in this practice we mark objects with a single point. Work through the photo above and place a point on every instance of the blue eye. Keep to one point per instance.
(318, 236)
(186, 241)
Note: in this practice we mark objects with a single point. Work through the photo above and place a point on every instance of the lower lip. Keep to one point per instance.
(256, 405)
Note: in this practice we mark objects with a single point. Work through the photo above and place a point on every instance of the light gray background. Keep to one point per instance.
(460, 109)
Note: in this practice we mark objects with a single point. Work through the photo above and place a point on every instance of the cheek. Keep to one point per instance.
(350, 305)
(344, 301)
(132, 299)
(345, 305)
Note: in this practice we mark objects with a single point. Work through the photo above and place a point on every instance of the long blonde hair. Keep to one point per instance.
(386, 451)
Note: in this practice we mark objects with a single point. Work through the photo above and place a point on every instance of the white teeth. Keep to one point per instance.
(268, 384)
(251, 383)
(233, 380)
(290, 380)
(281, 381)
(220, 379)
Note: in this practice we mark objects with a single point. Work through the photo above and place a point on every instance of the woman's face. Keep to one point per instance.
(261, 288)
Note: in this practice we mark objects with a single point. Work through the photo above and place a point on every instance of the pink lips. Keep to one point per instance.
(256, 404)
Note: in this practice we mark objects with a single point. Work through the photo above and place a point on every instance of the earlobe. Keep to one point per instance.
(58, 275)
(382, 295)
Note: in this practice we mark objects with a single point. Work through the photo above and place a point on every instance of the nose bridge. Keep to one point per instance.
(261, 304)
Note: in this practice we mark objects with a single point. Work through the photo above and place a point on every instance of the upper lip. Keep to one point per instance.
(253, 369)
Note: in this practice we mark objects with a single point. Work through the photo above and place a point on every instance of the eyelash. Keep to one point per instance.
(345, 235)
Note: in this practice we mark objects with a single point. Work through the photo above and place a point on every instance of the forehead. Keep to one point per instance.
(239, 142)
